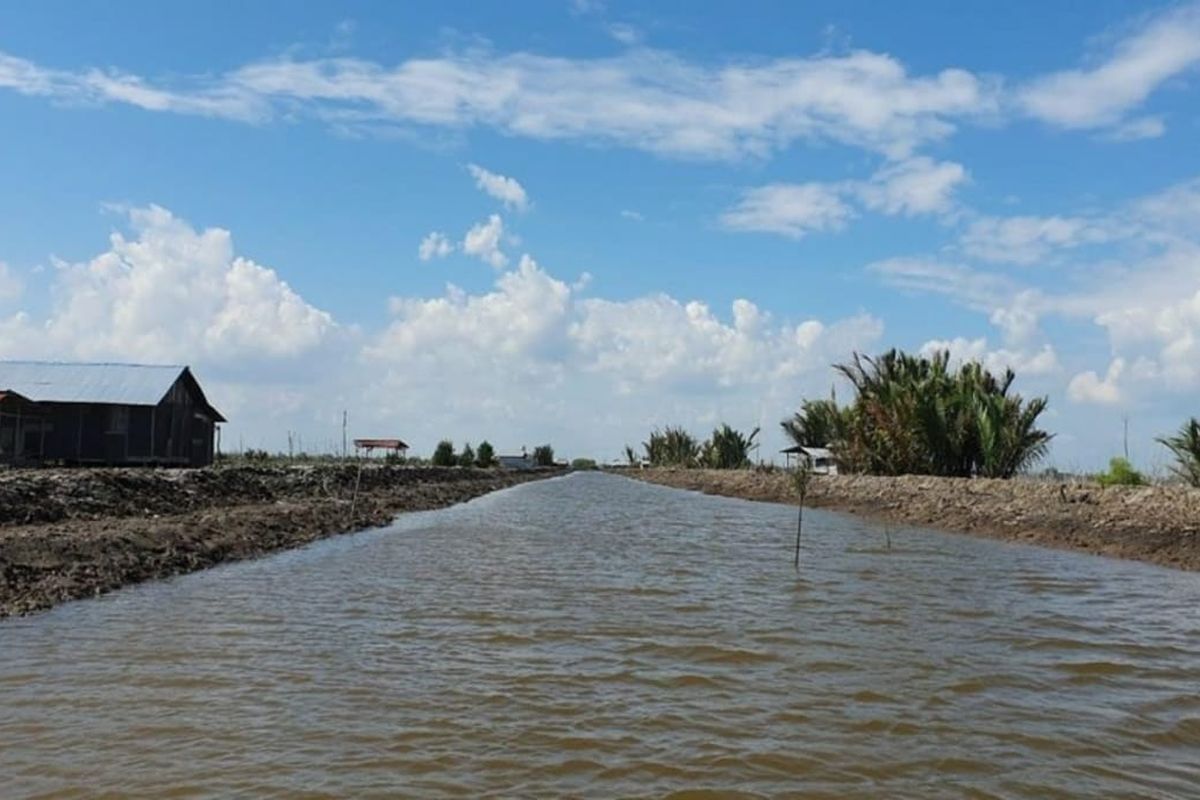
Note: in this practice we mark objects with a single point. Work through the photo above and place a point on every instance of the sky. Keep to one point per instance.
(574, 221)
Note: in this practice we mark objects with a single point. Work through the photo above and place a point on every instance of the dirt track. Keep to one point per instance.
(71, 534)
(1159, 524)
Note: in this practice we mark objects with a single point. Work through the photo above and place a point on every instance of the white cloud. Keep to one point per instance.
(1019, 319)
(1138, 129)
(624, 33)
(1039, 361)
(1167, 45)
(1174, 211)
(1088, 387)
(636, 216)
(174, 293)
(914, 186)
(789, 209)
(1028, 240)
(529, 359)
(222, 99)
(483, 241)
(980, 290)
(507, 190)
(1172, 326)
(645, 99)
(435, 245)
(11, 287)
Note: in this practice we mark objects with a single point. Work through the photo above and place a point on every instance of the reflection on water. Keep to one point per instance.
(595, 636)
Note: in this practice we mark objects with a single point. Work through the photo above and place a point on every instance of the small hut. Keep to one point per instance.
(820, 460)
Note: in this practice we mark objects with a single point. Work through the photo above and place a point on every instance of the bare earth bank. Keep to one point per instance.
(66, 534)
(1159, 524)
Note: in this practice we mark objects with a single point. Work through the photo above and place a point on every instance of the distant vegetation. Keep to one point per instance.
(727, 448)
(443, 454)
(1120, 473)
(485, 456)
(1185, 446)
(916, 415)
(467, 457)
(583, 463)
(543, 455)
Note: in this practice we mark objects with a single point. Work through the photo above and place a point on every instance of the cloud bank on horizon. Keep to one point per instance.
(532, 350)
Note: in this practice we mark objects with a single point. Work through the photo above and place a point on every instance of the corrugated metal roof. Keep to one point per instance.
(51, 382)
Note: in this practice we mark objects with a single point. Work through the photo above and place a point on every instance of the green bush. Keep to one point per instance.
(583, 463)
(1120, 473)
(443, 454)
(543, 455)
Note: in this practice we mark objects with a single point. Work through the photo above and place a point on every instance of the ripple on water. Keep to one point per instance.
(593, 636)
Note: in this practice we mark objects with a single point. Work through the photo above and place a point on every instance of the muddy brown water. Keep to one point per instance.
(597, 637)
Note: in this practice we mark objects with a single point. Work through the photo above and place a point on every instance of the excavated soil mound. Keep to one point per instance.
(67, 534)
(1160, 524)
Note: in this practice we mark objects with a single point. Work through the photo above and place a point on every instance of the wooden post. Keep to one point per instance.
(800, 480)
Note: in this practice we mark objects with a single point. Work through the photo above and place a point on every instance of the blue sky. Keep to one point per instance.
(575, 221)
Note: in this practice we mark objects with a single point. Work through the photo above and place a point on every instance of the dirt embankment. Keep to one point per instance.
(1160, 524)
(66, 534)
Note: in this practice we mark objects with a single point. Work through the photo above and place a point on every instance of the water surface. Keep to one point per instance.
(594, 636)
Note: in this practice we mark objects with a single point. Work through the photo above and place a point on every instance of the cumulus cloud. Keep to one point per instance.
(1088, 387)
(1038, 361)
(173, 293)
(483, 241)
(531, 358)
(532, 353)
(435, 245)
(1165, 46)
(507, 190)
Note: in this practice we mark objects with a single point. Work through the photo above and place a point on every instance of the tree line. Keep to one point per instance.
(726, 448)
(917, 415)
(484, 457)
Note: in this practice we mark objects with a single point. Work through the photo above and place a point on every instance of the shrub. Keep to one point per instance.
(583, 463)
(485, 456)
(443, 454)
(1120, 473)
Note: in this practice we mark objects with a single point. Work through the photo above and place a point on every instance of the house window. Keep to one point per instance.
(118, 419)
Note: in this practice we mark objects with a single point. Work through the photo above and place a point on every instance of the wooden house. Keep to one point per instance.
(104, 414)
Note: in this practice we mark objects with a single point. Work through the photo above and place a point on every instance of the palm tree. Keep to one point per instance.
(728, 448)
(672, 447)
(1185, 446)
(915, 415)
